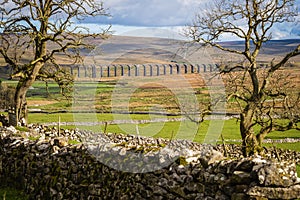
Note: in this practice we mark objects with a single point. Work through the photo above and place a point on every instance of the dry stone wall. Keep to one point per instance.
(49, 168)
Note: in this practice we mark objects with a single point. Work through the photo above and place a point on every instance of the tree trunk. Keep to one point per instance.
(20, 106)
(250, 144)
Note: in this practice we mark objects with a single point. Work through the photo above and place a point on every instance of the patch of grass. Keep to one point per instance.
(32, 138)
(87, 117)
(38, 90)
(140, 100)
(57, 106)
(21, 128)
(38, 118)
(12, 194)
(284, 134)
(292, 146)
(73, 142)
(169, 130)
(231, 129)
(298, 170)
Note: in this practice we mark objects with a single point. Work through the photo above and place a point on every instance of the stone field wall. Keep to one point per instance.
(50, 168)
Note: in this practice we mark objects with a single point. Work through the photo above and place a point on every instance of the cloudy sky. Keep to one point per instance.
(162, 18)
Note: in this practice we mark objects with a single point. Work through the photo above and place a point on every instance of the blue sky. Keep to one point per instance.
(164, 18)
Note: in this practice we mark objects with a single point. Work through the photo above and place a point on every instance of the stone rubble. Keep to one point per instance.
(101, 168)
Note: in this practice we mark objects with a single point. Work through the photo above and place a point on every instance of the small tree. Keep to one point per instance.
(261, 99)
(33, 32)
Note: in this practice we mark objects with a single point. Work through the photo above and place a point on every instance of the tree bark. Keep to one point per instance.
(250, 145)
(19, 104)
(24, 84)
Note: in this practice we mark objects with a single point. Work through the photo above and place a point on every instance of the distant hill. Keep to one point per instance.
(271, 50)
(272, 47)
(147, 50)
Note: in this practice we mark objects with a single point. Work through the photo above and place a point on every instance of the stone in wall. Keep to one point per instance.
(292, 192)
(276, 174)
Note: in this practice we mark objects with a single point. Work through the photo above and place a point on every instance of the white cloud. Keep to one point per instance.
(150, 12)
(132, 17)
(286, 31)
(161, 32)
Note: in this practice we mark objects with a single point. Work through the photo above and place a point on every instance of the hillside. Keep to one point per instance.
(146, 50)
(273, 49)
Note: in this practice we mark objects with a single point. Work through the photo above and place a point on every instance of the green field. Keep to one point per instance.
(230, 130)
(95, 97)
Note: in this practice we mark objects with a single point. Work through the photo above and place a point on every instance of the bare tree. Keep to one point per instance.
(253, 88)
(30, 27)
(61, 76)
